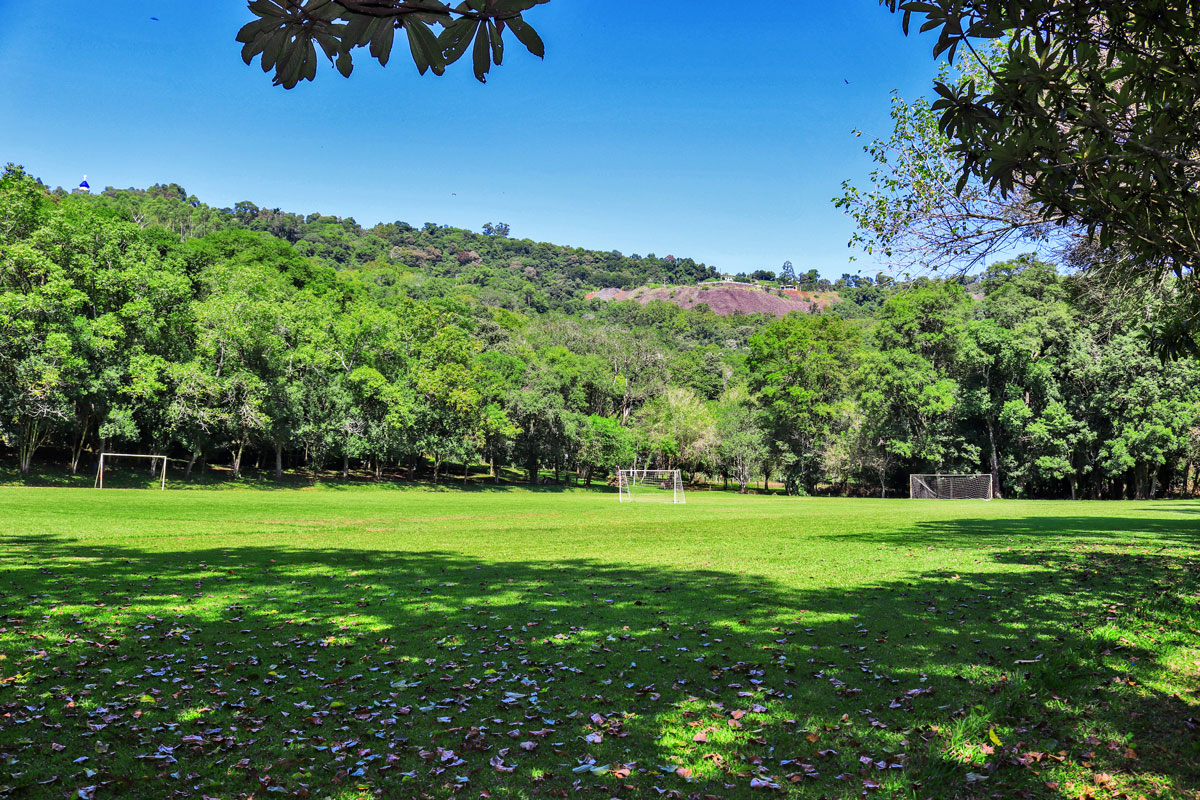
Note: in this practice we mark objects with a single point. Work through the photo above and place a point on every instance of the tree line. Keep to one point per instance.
(148, 322)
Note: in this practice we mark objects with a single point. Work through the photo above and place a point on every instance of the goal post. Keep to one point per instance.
(650, 485)
(99, 483)
(949, 486)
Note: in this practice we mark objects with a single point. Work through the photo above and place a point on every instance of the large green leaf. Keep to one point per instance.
(482, 54)
(497, 43)
(425, 50)
(455, 38)
(381, 43)
(527, 36)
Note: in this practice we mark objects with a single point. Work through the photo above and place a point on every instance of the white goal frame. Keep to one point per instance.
(629, 479)
(99, 483)
(951, 486)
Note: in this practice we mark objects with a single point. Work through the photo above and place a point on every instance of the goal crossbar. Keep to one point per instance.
(661, 485)
(99, 482)
(951, 486)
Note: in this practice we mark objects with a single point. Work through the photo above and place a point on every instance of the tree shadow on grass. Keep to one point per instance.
(1046, 530)
(342, 672)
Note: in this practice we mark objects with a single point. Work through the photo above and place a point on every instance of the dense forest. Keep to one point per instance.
(258, 340)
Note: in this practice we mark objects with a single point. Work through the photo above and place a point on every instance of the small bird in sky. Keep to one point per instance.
(154, 18)
(845, 81)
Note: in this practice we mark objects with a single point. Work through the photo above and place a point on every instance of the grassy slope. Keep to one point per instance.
(328, 643)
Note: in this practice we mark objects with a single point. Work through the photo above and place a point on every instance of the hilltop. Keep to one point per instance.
(493, 267)
(727, 298)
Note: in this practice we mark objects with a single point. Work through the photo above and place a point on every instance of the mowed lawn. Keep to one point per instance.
(522, 644)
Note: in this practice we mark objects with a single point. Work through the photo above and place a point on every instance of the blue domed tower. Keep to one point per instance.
(84, 187)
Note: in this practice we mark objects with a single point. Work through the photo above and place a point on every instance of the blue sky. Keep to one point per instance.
(721, 136)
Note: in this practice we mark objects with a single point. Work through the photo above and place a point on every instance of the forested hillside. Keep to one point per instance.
(435, 260)
(149, 322)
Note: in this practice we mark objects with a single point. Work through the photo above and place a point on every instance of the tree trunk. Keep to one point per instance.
(187, 473)
(995, 459)
(237, 460)
(437, 465)
(77, 450)
(1140, 481)
(101, 449)
(492, 465)
(278, 461)
(466, 467)
(30, 443)
(345, 466)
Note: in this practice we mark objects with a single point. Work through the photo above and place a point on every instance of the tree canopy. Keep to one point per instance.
(1087, 113)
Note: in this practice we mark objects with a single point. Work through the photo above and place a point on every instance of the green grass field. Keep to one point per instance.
(520, 644)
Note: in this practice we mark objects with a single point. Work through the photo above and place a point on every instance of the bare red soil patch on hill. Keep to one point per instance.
(726, 299)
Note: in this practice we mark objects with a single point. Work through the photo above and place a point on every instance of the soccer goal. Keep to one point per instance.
(99, 484)
(650, 485)
(950, 487)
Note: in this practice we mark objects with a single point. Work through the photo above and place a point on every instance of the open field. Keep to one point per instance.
(519, 644)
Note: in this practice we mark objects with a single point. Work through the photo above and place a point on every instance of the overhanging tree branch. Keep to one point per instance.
(286, 34)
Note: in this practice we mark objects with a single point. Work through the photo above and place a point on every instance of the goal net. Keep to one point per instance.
(109, 458)
(950, 487)
(650, 485)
